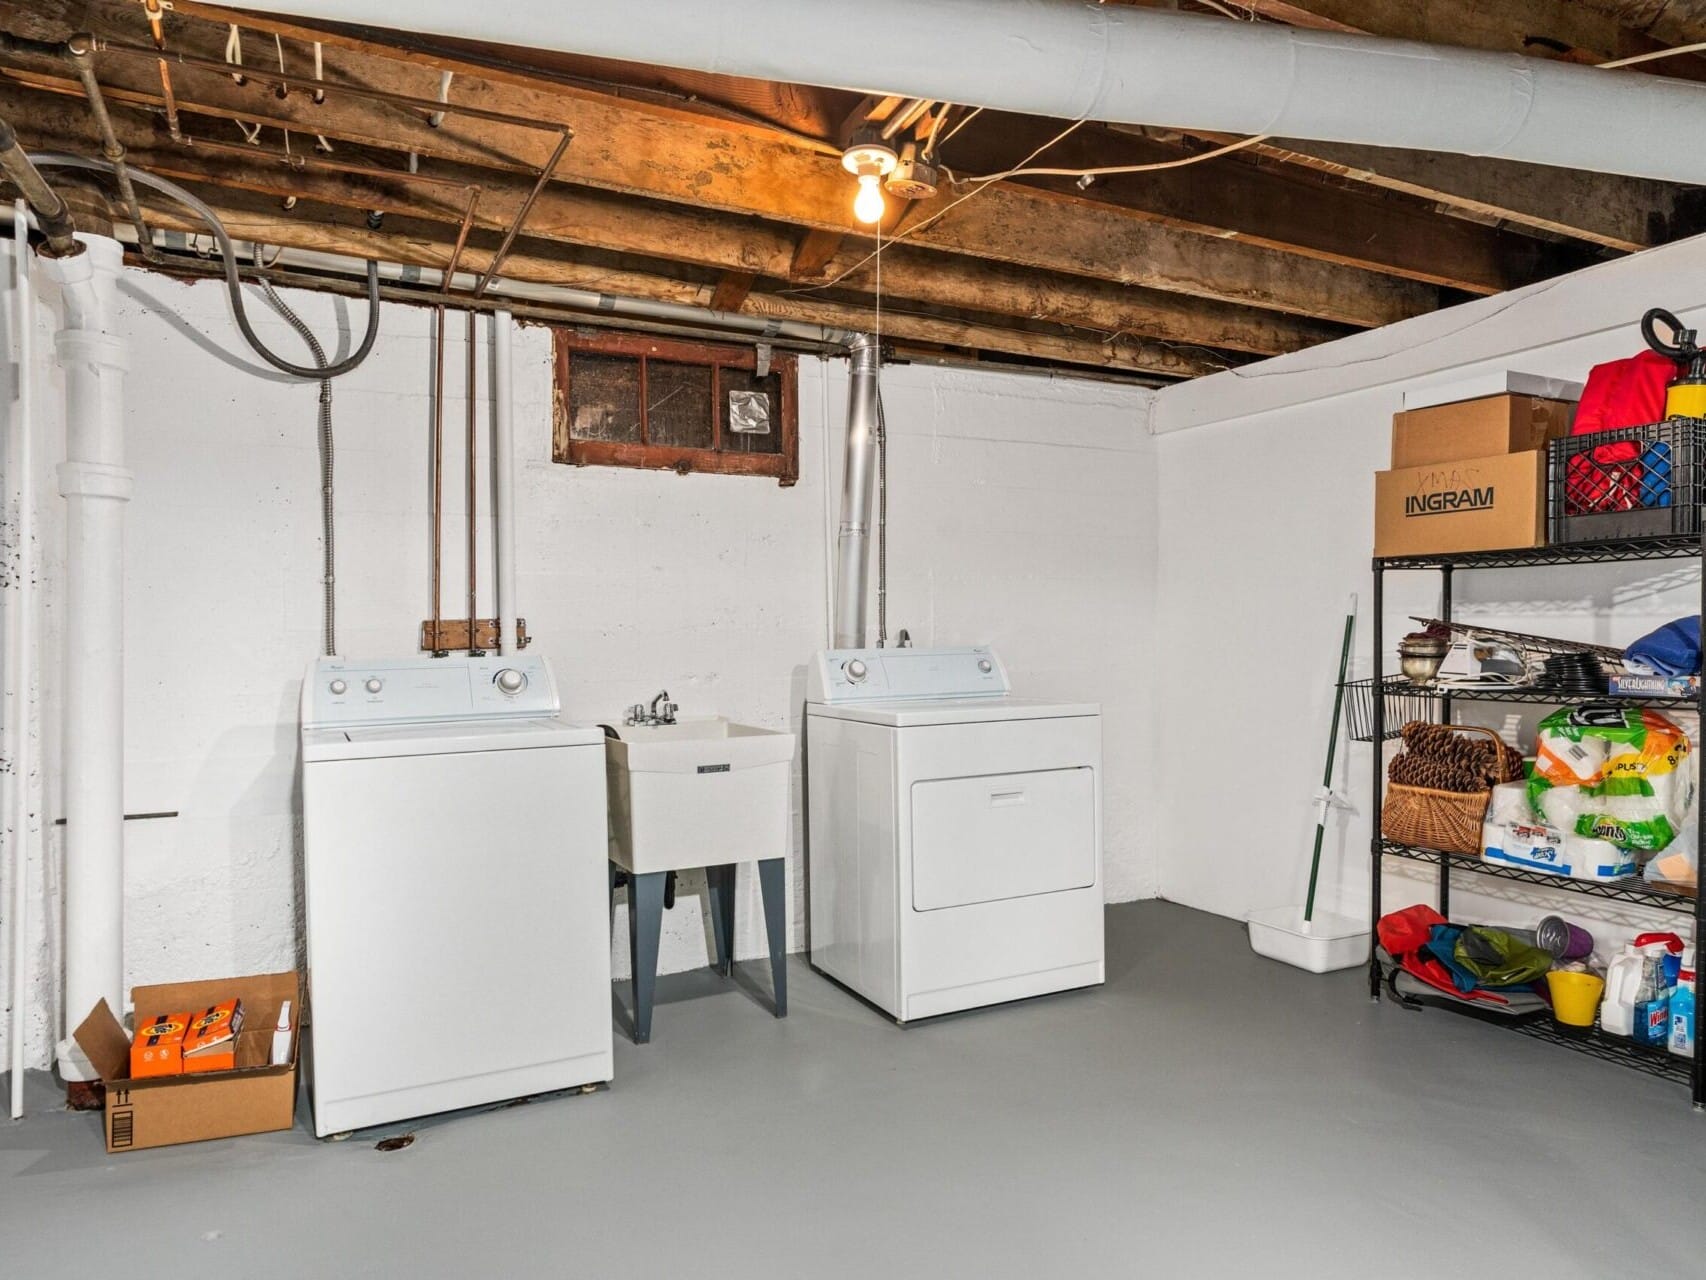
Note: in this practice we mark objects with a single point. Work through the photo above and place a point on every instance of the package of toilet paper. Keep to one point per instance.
(1613, 774)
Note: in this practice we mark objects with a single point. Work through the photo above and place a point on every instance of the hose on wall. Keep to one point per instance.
(64, 160)
(329, 577)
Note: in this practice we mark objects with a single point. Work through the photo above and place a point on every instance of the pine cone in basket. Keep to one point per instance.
(1436, 756)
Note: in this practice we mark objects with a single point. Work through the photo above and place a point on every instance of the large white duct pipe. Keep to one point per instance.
(1122, 64)
(96, 487)
(20, 660)
(852, 575)
(503, 466)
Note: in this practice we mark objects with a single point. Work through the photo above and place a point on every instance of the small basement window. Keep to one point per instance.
(626, 400)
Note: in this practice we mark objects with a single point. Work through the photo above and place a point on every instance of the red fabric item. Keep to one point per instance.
(1624, 393)
(1435, 974)
(1402, 932)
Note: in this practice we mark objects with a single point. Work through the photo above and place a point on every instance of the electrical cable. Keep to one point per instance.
(329, 574)
(1105, 170)
(233, 283)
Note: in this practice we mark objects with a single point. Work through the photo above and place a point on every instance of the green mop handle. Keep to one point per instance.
(1332, 749)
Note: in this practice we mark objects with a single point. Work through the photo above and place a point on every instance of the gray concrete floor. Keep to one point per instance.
(1207, 1113)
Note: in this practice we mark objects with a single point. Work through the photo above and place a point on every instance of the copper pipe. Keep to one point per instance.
(473, 564)
(156, 18)
(461, 240)
(521, 214)
(437, 478)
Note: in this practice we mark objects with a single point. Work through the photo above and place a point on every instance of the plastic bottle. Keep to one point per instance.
(1682, 1008)
(1622, 981)
(1637, 991)
(1652, 1002)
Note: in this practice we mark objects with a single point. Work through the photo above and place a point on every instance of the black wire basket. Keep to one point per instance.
(1404, 702)
(1635, 482)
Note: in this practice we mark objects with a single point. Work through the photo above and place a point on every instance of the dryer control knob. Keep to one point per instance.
(338, 688)
(855, 670)
(509, 680)
(374, 684)
(985, 665)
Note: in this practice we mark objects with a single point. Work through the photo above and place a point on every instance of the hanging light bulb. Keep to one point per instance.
(869, 159)
(868, 204)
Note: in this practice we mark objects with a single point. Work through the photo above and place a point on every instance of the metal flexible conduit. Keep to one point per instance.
(63, 160)
(330, 560)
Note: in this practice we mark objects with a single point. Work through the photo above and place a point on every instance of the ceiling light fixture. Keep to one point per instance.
(869, 159)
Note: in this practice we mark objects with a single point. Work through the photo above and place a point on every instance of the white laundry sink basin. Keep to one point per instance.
(699, 793)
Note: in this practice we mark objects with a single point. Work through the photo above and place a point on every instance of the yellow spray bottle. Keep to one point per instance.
(1686, 395)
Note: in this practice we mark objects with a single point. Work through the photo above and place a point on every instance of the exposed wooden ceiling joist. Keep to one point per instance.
(742, 246)
(425, 245)
(680, 157)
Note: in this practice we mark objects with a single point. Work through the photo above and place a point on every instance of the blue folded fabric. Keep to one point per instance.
(1672, 650)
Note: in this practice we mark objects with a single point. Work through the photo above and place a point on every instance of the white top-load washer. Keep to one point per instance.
(454, 835)
(955, 832)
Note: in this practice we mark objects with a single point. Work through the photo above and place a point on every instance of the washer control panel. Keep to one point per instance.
(346, 691)
(870, 675)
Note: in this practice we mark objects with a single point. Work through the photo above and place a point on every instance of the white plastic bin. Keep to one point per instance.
(1325, 943)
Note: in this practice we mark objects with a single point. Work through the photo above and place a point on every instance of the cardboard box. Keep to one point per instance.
(1484, 504)
(1631, 685)
(253, 1097)
(1497, 382)
(211, 1042)
(1477, 429)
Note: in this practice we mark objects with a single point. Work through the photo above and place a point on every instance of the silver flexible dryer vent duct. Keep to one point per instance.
(1121, 64)
(851, 562)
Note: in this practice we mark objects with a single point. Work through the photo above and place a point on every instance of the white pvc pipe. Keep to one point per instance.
(96, 487)
(1122, 64)
(20, 658)
(503, 465)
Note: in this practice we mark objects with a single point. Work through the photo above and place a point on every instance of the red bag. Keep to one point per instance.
(1402, 932)
(1624, 393)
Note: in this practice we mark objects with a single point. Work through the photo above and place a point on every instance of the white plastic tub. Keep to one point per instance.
(1325, 943)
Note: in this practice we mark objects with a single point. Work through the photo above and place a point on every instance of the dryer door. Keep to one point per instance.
(1010, 835)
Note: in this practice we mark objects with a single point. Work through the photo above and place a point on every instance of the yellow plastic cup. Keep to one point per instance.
(1575, 996)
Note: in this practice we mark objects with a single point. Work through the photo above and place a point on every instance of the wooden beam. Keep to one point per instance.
(344, 233)
(1571, 32)
(678, 157)
(671, 232)
(1275, 207)
(732, 290)
(1627, 214)
(813, 253)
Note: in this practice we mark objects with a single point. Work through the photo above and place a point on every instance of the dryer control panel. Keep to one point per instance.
(872, 675)
(340, 692)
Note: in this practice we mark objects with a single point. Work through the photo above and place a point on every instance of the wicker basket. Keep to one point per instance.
(1449, 821)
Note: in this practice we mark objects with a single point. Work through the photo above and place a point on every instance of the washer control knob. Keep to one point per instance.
(339, 688)
(374, 684)
(855, 670)
(510, 681)
(985, 665)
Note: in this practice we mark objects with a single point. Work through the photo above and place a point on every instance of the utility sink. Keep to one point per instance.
(698, 793)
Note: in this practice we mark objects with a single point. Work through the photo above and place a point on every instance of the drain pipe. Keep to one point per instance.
(1122, 64)
(503, 465)
(51, 212)
(20, 660)
(96, 486)
(852, 569)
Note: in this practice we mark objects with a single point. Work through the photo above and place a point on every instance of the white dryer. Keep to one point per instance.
(954, 840)
(454, 849)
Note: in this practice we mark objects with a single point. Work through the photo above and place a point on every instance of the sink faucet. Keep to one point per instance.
(662, 711)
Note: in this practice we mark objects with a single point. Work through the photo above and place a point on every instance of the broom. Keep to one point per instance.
(1324, 798)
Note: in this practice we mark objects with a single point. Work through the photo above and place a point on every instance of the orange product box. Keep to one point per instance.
(158, 1049)
(210, 1044)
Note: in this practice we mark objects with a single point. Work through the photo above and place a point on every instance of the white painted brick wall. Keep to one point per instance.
(1022, 512)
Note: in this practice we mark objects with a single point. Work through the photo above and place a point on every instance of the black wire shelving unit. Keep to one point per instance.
(1384, 693)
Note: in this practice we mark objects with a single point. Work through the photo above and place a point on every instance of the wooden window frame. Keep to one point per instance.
(784, 465)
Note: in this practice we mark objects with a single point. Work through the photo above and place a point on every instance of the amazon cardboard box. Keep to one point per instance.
(255, 1096)
(1479, 428)
(1483, 504)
